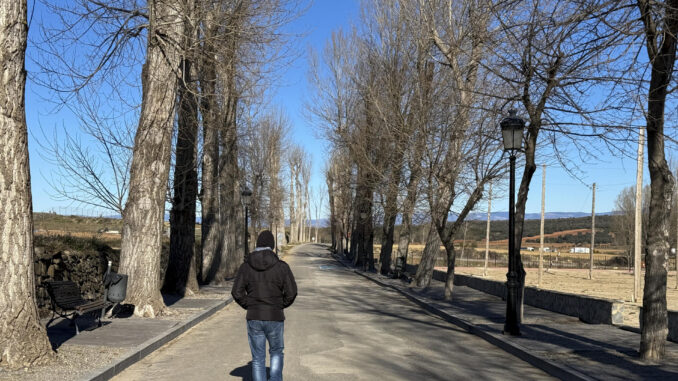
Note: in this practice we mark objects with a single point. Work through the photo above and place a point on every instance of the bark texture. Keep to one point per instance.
(143, 218)
(661, 48)
(232, 214)
(23, 340)
(329, 179)
(210, 243)
(180, 277)
(428, 259)
(390, 215)
(408, 209)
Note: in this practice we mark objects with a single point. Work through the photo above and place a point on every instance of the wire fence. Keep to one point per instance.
(549, 260)
(80, 212)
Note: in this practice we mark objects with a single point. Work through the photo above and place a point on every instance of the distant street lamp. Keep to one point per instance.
(246, 199)
(512, 133)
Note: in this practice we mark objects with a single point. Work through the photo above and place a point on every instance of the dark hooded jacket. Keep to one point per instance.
(264, 286)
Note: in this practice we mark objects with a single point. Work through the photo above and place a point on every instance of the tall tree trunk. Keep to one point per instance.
(408, 208)
(277, 209)
(447, 233)
(364, 238)
(293, 212)
(180, 277)
(356, 236)
(299, 218)
(424, 273)
(210, 225)
(232, 245)
(329, 178)
(390, 214)
(662, 56)
(145, 209)
(209, 203)
(449, 278)
(23, 340)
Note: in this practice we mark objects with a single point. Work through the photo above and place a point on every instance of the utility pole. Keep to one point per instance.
(487, 231)
(638, 218)
(676, 232)
(593, 230)
(541, 228)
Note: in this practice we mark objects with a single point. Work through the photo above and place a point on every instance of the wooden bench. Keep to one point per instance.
(68, 304)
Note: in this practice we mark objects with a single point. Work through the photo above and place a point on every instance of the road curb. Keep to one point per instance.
(554, 369)
(146, 348)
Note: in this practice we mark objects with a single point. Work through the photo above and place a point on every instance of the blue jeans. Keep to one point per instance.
(258, 331)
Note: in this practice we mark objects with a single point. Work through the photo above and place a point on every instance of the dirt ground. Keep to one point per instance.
(610, 284)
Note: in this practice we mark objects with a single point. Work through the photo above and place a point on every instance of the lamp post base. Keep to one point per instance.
(511, 327)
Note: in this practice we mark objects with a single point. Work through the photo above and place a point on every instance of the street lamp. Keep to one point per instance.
(246, 199)
(512, 132)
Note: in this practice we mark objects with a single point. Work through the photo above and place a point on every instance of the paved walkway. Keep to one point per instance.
(341, 327)
(561, 344)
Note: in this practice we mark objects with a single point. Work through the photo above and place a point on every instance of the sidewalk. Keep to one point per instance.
(560, 345)
(99, 353)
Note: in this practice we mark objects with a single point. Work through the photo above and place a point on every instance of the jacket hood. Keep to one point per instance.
(262, 260)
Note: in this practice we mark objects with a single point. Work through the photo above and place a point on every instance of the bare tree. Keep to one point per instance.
(402, 104)
(277, 145)
(262, 158)
(209, 109)
(295, 162)
(338, 176)
(95, 177)
(548, 56)
(180, 276)
(94, 170)
(243, 47)
(318, 195)
(145, 209)
(462, 154)
(624, 219)
(23, 340)
(304, 213)
(332, 108)
(660, 29)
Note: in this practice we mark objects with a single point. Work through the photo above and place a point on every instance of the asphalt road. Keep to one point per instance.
(341, 327)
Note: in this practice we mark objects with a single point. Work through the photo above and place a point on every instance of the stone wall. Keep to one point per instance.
(673, 325)
(81, 260)
(588, 309)
(86, 268)
(672, 321)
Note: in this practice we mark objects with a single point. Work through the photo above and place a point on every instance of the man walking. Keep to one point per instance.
(264, 286)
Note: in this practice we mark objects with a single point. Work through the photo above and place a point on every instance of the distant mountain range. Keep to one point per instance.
(494, 216)
(498, 216)
(476, 216)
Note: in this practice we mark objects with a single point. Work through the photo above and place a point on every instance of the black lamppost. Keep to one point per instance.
(512, 133)
(246, 199)
(362, 245)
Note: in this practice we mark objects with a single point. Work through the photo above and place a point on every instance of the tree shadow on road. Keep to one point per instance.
(245, 372)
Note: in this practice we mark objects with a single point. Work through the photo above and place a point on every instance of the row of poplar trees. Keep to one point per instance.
(204, 64)
(412, 96)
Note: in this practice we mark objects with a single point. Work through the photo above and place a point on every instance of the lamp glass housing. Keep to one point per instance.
(246, 196)
(512, 131)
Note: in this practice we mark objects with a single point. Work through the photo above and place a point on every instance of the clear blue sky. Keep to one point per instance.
(564, 194)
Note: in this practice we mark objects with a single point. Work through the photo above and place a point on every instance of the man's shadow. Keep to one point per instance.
(245, 372)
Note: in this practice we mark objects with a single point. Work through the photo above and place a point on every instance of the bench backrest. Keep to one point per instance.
(65, 294)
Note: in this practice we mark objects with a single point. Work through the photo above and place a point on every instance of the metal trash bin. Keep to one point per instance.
(399, 267)
(117, 287)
